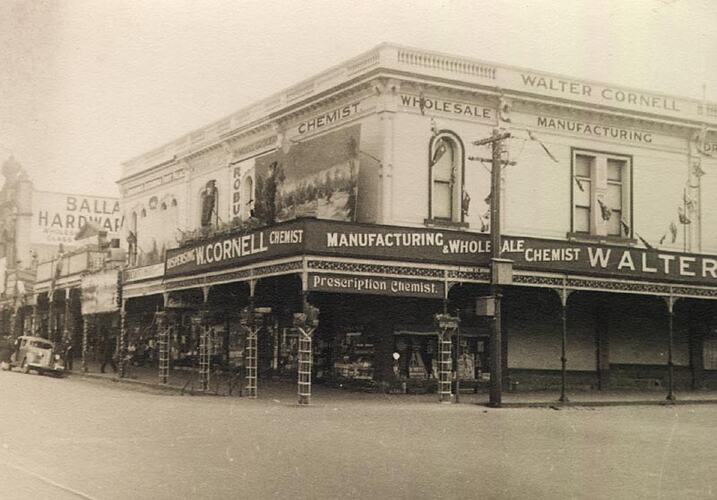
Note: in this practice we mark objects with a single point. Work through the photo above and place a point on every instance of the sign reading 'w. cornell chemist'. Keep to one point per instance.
(403, 244)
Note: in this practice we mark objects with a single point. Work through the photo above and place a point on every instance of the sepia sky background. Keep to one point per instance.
(86, 85)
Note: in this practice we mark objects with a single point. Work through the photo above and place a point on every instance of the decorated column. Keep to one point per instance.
(163, 339)
(202, 325)
(670, 347)
(564, 294)
(50, 315)
(85, 330)
(36, 318)
(447, 326)
(306, 322)
(122, 340)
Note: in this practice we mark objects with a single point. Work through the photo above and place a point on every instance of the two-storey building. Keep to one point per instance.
(361, 192)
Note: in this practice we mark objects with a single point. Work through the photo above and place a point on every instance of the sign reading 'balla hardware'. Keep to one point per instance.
(330, 238)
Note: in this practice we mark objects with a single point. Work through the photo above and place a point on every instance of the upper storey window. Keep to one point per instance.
(446, 174)
(601, 194)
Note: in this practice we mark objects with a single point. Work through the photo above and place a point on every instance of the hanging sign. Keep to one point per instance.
(99, 292)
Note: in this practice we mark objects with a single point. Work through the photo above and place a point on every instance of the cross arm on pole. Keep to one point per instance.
(492, 139)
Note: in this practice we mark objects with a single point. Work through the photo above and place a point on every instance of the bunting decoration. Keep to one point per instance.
(545, 148)
(683, 216)
(465, 203)
(604, 210)
(438, 152)
(689, 202)
(697, 170)
(700, 139)
(483, 223)
(645, 242)
(673, 231)
(662, 240)
(422, 103)
(504, 108)
(580, 184)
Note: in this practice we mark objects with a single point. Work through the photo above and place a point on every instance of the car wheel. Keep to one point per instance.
(24, 367)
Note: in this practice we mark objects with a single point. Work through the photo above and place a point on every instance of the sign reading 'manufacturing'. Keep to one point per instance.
(330, 238)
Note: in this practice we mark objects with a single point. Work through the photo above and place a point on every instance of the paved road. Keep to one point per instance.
(74, 438)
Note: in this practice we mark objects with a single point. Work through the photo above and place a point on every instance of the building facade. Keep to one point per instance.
(360, 192)
(50, 243)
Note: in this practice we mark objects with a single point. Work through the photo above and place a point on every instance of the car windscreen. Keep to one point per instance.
(41, 344)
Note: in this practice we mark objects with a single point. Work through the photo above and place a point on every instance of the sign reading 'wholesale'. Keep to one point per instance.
(455, 108)
(329, 238)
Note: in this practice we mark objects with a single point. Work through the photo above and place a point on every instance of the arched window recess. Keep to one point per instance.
(447, 199)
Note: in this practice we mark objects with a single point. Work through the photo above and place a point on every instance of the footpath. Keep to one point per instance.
(186, 382)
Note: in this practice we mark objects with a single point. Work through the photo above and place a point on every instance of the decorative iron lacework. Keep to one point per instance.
(278, 268)
(191, 282)
(138, 292)
(352, 267)
(701, 292)
(232, 276)
(467, 275)
(537, 280)
(618, 286)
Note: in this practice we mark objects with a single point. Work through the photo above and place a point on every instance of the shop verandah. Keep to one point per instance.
(616, 334)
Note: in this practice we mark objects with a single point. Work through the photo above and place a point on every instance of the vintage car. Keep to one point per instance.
(36, 353)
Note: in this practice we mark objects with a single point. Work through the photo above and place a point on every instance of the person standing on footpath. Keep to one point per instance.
(67, 353)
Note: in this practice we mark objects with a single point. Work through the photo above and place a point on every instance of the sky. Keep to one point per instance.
(87, 85)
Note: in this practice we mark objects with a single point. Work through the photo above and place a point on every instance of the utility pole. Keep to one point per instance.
(500, 270)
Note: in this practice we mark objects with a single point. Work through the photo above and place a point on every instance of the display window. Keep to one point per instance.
(354, 355)
(416, 353)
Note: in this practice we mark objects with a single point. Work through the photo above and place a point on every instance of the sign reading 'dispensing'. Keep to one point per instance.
(331, 238)
(57, 217)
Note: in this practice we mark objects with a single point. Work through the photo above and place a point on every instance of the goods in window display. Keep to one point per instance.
(466, 366)
(416, 368)
(354, 357)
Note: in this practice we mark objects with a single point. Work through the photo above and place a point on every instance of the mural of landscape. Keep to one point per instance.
(317, 178)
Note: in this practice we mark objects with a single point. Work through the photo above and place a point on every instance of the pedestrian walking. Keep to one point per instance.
(108, 354)
(7, 347)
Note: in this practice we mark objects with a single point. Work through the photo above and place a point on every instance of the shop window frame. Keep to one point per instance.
(627, 202)
(457, 217)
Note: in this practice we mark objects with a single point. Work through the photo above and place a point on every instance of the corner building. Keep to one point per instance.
(360, 192)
